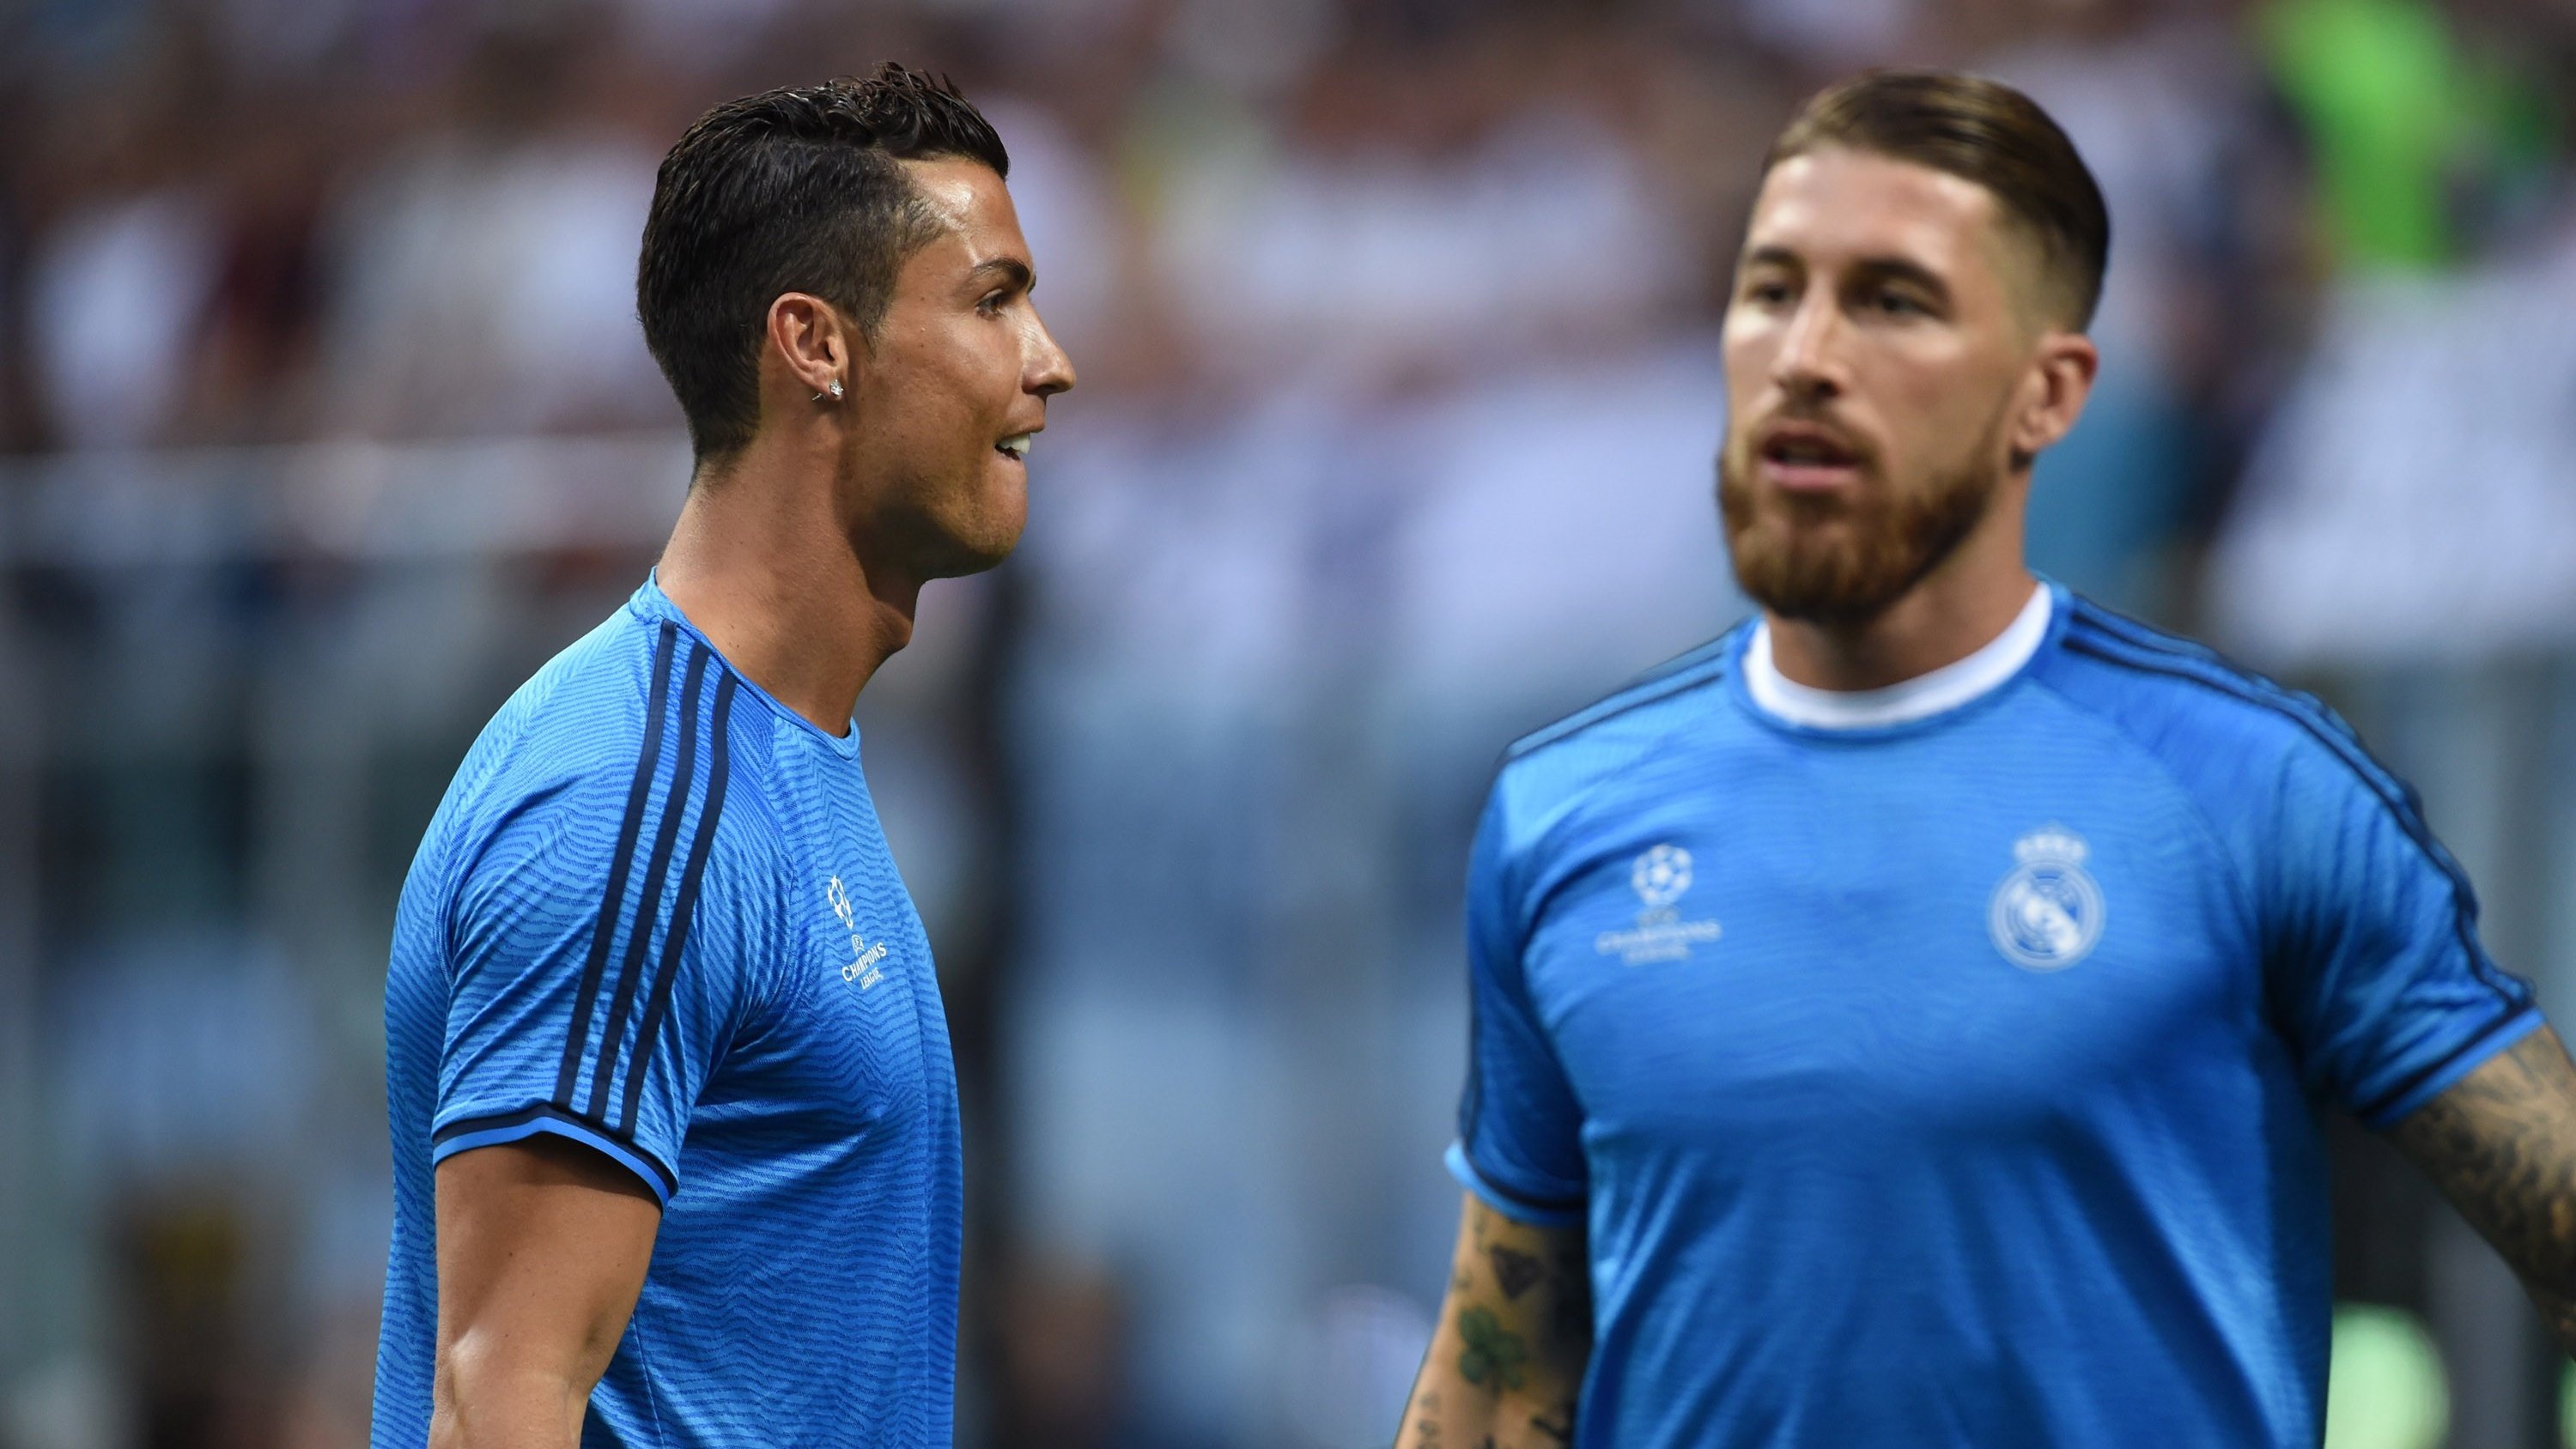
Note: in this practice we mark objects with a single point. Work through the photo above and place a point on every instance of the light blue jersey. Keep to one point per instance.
(1957, 1082)
(655, 915)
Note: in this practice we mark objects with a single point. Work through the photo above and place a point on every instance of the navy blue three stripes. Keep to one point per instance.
(582, 1099)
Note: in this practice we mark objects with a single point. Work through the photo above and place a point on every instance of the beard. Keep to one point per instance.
(1842, 561)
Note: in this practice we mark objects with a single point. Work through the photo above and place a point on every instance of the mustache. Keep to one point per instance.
(1813, 419)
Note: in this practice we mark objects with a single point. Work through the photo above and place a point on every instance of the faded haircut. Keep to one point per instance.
(1986, 132)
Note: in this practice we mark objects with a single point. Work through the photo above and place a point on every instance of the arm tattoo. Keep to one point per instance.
(1514, 1271)
(1426, 1424)
(1493, 1354)
(1506, 1367)
(2502, 1146)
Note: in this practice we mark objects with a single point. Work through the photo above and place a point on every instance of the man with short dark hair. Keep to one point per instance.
(674, 1119)
(1904, 1020)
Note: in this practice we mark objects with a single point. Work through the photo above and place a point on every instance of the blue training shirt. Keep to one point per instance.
(655, 915)
(1957, 1082)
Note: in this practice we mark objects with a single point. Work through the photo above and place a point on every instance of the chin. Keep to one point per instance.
(980, 544)
(970, 530)
(1809, 579)
(981, 554)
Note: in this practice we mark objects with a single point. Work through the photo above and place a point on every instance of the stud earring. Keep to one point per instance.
(833, 387)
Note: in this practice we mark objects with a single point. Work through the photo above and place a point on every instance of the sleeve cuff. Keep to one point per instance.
(1563, 1212)
(2446, 1072)
(492, 1130)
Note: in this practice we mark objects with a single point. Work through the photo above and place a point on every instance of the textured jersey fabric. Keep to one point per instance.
(1958, 1082)
(655, 915)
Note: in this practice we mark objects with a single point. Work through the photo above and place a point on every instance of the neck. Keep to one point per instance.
(764, 563)
(1950, 613)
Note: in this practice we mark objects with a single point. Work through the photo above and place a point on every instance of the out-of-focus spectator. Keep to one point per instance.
(121, 280)
(2410, 494)
(2413, 129)
(485, 277)
(252, 365)
(1409, 221)
(2160, 105)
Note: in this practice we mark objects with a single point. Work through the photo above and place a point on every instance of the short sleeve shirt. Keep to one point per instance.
(1957, 1082)
(655, 915)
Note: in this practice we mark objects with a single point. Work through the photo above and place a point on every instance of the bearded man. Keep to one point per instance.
(1906, 1020)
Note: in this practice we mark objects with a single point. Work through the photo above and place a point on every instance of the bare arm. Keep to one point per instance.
(542, 1246)
(2502, 1147)
(1515, 1335)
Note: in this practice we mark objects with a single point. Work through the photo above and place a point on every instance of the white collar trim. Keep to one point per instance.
(1921, 697)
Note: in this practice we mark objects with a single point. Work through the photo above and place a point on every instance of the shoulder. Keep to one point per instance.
(631, 733)
(2232, 734)
(573, 730)
(1546, 772)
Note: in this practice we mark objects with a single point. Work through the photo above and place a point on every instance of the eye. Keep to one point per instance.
(1766, 292)
(991, 305)
(1898, 304)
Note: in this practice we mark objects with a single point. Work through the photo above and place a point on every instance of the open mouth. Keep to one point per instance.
(1808, 452)
(1015, 447)
(1808, 457)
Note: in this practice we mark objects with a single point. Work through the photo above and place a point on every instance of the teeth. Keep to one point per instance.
(1017, 445)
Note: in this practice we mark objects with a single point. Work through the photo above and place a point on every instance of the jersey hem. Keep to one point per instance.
(1516, 1206)
(2446, 1071)
(495, 1129)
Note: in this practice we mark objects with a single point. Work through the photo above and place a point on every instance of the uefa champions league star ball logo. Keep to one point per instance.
(1661, 875)
(2048, 913)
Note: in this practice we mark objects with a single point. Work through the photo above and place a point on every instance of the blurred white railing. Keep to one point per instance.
(359, 500)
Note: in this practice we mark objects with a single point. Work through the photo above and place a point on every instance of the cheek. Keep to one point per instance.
(957, 371)
(1746, 341)
(1935, 407)
(1746, 358)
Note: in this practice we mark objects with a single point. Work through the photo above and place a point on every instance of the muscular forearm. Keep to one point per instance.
(2502, 1146)
(1507, 1360)
(1462, 1401)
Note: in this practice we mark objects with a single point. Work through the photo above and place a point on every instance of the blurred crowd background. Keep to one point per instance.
(325, 418)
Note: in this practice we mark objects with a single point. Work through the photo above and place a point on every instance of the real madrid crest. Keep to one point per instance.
(2048, 913)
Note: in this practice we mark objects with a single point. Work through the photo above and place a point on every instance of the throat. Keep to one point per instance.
(784, 599)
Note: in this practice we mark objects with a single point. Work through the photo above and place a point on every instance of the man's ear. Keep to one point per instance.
(814, 342)
(2060, 379)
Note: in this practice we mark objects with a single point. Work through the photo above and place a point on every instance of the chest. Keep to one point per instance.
(859, 1045)
(1941, 943)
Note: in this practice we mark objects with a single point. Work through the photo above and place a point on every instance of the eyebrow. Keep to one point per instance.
(1011, 270)
(1883, 268)
(1898, 269)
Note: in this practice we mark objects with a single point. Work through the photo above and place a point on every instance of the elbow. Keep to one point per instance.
(489, 1392)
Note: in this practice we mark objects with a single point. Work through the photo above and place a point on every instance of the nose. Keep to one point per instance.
(1805, 366)
(1049, 371)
